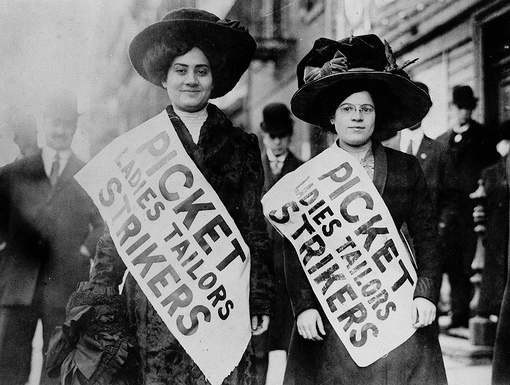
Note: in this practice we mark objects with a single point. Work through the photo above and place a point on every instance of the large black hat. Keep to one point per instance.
(215, 37)
(277, 120)
(333, 70)
(463, 97)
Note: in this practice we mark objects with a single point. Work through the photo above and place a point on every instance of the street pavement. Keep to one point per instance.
(461, 367)
(465, 364)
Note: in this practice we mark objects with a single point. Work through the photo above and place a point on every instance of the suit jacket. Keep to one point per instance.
(431, 155)
(44, 228)
(280, 327)
(462, 167)
(290, 164)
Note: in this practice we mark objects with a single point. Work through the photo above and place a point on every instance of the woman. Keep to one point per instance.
(354, 88)
(195, 56)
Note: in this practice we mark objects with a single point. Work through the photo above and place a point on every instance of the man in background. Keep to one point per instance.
(470, 148)
(428, 151)
(50, 227)
(277, 160)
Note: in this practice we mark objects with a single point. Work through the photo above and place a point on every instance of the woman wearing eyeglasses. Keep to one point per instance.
(354, 88)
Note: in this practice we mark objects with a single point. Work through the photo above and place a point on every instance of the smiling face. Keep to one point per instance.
(354, 119)
(189, 81)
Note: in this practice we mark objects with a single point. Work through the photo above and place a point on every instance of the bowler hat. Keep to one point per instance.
(333, 70)
(61, 103)
(213, 36)
(463, 97)
(277, 120)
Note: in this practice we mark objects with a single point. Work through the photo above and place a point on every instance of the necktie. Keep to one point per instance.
(55, 168)
(276, 166)
(410, 148)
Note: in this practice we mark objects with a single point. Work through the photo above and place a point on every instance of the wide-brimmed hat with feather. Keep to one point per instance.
(225, 39)
(333, 70)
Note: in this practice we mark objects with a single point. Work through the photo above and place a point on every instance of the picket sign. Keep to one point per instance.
(352, 254)
(177, 240)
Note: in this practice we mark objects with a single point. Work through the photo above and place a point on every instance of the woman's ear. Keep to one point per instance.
(332, 121)
(163, 83)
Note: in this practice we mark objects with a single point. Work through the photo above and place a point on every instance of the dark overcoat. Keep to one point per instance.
(399, 179)
(462, 167)
(495, 291)
(230, 160)
(431, 155)
(495, 244)
(281, 325)
(43, 228)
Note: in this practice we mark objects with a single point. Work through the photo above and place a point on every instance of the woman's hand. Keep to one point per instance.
(259, 324)
(309, 325)
(424, 312)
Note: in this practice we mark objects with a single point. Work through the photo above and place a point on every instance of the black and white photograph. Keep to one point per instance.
(254, 192)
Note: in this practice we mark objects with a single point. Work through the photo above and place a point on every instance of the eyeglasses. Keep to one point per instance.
(347, 108)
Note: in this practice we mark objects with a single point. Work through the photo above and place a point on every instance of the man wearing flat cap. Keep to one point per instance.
(50, 227)
(278, 160)
(470, 148)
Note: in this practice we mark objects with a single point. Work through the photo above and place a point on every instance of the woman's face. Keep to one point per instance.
(189, 81)
(354, 119)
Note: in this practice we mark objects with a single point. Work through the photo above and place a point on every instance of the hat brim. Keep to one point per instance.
(237, 46)
(404, 104)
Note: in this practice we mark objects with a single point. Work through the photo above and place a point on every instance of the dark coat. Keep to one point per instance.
(44, 229)
(281, 325)
(399, 179)
(495, 183)
(494, 291)
(230, 160)
(430, 155)
(462, 168)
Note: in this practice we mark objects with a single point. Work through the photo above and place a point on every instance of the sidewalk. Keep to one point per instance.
(465, 363)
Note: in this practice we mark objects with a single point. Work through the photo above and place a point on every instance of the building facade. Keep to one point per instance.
(455, 41)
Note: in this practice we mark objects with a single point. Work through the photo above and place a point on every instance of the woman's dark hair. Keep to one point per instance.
(384, 102)
(160, 56)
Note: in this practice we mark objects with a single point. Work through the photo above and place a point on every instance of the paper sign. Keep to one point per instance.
(350, 250)
(178, 241)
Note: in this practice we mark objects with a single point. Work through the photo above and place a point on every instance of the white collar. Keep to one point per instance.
(193, 121)
(407, 136)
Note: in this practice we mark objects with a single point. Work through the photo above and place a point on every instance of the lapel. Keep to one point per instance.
(269, 178)
(425, 149)
(214, 135)
(288, 165)
(34, 167)
(71, 168)
(380, 166)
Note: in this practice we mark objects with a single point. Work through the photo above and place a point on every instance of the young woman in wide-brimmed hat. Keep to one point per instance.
(354, 88)
(195, 56)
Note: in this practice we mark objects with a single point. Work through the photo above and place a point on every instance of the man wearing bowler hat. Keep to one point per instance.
(50, 227)
(278, 160)
(470, 148)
